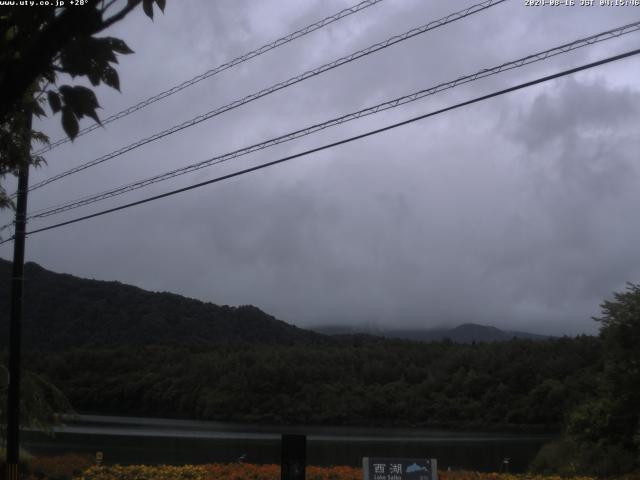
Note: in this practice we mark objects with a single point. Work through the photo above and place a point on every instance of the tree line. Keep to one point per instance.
(520, 384)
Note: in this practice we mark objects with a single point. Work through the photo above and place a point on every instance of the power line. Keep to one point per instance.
(341, 142)
(613, 33)
(220, 68)
(452, 17)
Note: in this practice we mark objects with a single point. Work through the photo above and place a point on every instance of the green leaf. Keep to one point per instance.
(54, 101)
(39, 137)
(89, 56)
(147, 6)
(118, 45)
(37, 110)
(80, 101)
(69, 123)
(94, 77)
(92, 114)
(110, 77)
(161, 4)
(38, 160)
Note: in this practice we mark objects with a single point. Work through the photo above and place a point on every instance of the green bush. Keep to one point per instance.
(569, 458)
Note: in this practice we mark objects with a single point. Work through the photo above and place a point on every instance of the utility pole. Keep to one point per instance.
(15, 325)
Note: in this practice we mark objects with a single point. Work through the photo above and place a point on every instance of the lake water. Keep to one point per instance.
(128, 440)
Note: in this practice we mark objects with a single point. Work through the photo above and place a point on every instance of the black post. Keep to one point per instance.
(294, 457)
(15, 325)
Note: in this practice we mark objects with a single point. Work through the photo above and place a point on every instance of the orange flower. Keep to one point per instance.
(247, 471)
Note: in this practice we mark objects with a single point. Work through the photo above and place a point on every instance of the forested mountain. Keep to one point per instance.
(114, 348)
(62, 311)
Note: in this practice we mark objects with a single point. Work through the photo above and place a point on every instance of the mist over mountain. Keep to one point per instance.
(465, 333)
(62, 311)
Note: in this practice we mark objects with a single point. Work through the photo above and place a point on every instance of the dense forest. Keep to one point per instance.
(356, 380)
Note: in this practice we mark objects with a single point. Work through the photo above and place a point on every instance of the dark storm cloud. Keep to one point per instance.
(517, 212)
(575, 110)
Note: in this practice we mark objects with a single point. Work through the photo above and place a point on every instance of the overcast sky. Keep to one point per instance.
(516, 212)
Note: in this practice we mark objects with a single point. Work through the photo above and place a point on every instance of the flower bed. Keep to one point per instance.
(214, 471)
(272, 472)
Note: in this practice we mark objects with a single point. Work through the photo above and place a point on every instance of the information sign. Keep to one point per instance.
(400, 468)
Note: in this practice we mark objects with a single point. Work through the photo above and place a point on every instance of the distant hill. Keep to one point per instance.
(466, 333)
(63, 311)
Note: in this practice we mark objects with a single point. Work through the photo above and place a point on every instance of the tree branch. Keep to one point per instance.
(105, 8)
(121, 14)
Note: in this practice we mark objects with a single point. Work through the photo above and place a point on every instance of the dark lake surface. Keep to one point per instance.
(128, 440)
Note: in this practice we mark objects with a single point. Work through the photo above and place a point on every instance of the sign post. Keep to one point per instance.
(294, 457)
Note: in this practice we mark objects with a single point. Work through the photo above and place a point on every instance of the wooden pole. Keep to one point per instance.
(15, 323)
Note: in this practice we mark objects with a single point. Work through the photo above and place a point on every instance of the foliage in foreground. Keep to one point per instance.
(40, 403)
(602, 433)
(35, 48)
(568, 457)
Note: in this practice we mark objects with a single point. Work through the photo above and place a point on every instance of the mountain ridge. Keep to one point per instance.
(63, 311)
(464, 333)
